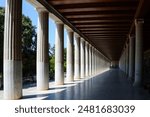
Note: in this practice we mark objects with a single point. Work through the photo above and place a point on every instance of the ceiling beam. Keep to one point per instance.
(102, 25)
(62, 2)
(104, 29)
(106, 8)
(102, 21)
(99, 15)
(100, 18)
(111, 12)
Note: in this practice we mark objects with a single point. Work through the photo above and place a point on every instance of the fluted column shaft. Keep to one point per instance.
(127, 59)
(12, 50)
(86, 59)
(59, 54)
(42, 51)
(82, 58)
(77, 57)
(70, 56)
(93, 61)
(138, 52)
(90, 60)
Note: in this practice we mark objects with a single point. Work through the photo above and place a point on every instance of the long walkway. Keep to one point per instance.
(110, 85)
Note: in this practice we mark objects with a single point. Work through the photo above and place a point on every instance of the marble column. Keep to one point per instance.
(127, 59)
(131, 57)
(138, 52)
(12, 50)
(121, 62)
(82, 58)
(90, 61)
(93, 62)
(86, 59)
(77, 57)
(42, 51)
(59, 54)
(70, 56)
(97, 61)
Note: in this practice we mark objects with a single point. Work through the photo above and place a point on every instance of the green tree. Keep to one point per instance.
(52, 67)
(29, 38)
(52, 61)
(28, 34)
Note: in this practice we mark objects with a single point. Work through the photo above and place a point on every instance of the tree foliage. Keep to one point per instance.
(28, 34)
(52, 61)
(29, 38)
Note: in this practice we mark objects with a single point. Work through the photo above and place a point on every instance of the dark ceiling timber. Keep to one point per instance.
(105, 23)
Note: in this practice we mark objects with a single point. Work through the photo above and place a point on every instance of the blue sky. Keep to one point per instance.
(29, 10)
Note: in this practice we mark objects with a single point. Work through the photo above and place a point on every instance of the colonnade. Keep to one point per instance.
(132, 57)
(83, 60)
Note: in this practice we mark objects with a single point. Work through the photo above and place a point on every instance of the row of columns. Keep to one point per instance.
(132, 57)
(86, 62)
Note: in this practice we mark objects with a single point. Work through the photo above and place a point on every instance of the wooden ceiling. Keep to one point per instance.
(106, 23)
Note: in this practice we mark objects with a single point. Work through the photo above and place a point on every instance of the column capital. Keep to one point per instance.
(59, 22)
(82, 39)
(76, 35)
(55, 18)
(90, 45)
(139, 21)
(87, 43)
(68, 29)
(41, 9)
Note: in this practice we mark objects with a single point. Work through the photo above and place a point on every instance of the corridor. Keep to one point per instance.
(110, 85)
(100, 34)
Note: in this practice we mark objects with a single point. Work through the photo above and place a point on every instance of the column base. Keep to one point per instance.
(82, 77)
(59, 83)
(69, 81)
(59, 74)
(69, 77)
(76, 78)
(12, 79)
(42, 76)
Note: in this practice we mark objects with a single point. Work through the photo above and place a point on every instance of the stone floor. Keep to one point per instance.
(110, 85)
